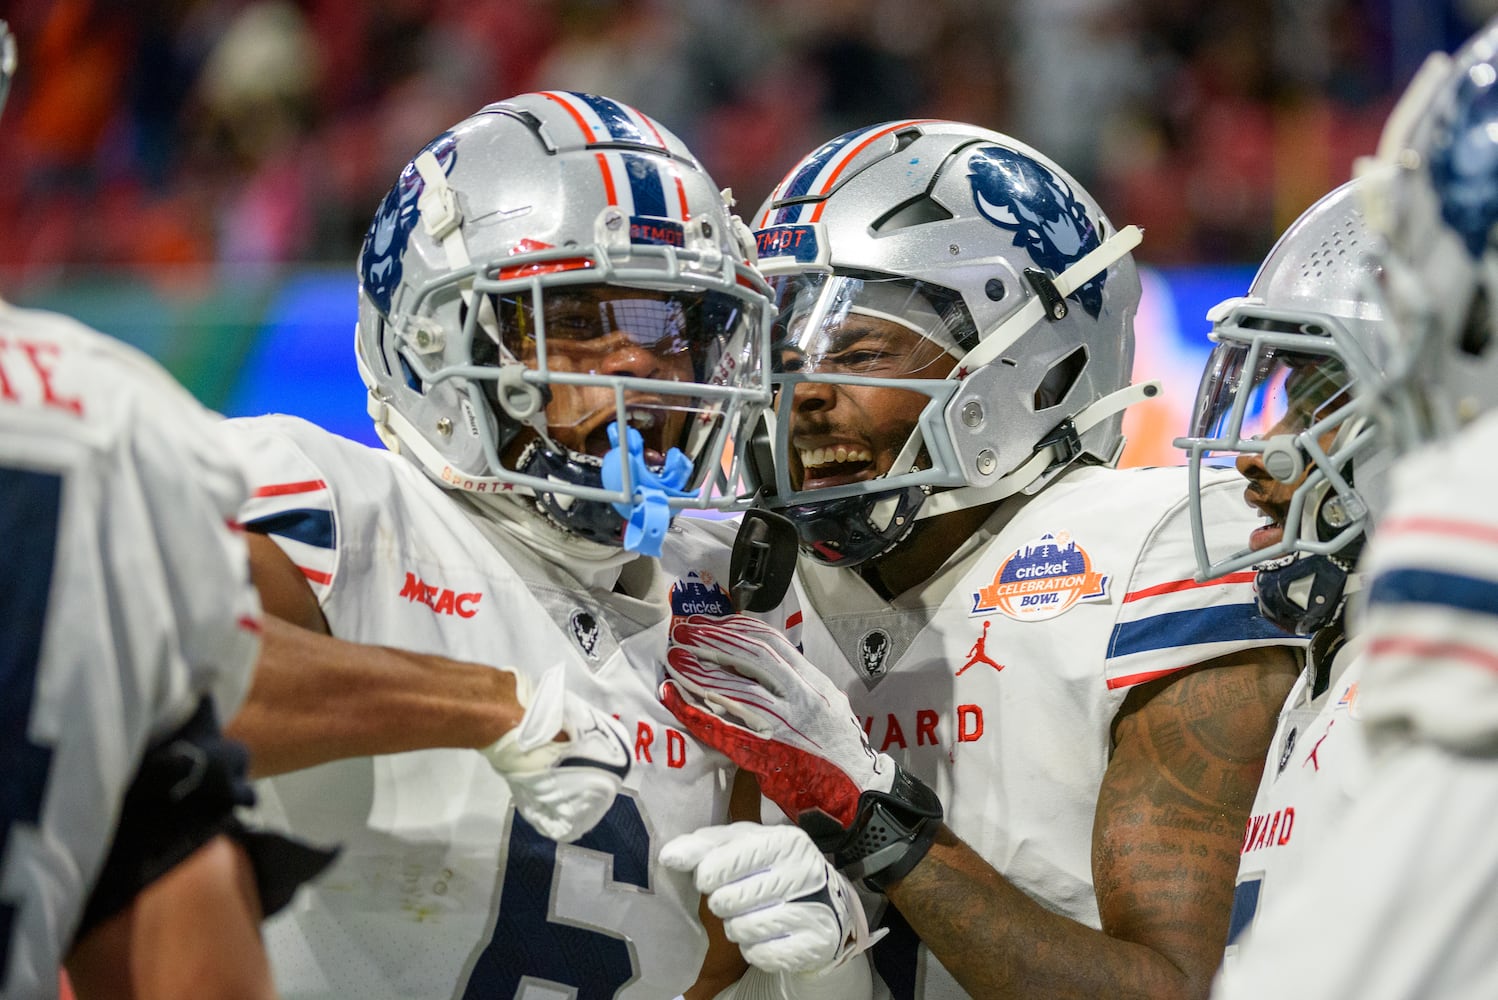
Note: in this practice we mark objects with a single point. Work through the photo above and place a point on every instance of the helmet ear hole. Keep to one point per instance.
(1477, 331)
(412, 382)
(1060, 379)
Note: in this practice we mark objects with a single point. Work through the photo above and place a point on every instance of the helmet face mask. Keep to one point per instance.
(917, 267)
(593, 279)
(1278, 388)
(880, 346)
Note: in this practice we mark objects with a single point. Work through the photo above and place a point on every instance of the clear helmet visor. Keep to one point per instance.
(1251, 391)
(665, 357)
(860, 366)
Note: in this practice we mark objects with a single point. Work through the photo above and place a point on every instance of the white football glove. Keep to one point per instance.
(780, 900)
(741, 687)
(561, 787)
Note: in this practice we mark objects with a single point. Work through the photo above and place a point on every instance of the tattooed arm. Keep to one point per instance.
(1187, 754)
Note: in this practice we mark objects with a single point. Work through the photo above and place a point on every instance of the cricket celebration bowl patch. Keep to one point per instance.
(1041, 579)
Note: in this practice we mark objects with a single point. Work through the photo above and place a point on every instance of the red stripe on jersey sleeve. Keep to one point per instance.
(1425, 649)
(1175, 586)
(1129, 680)
(282, 489)
(316, 576)
(1439, 526)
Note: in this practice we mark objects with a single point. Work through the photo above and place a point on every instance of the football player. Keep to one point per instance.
(130, 629)
(1278, 392)
(1014, 621)
(560, 327)
(1402, 902)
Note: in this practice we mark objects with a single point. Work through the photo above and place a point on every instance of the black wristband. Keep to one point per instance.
(890, 834)
(183, 795)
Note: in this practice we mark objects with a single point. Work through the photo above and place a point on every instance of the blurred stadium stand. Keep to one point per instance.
(194, 176)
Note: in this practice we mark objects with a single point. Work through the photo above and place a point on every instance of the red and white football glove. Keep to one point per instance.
(741, 687)
(561, 787)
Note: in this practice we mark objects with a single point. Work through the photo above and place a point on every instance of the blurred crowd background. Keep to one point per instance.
(186, 158)
(246, 132)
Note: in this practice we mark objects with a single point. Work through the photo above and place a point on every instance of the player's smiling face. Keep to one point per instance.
(614, 332)
(1309, 392)
(843, 433)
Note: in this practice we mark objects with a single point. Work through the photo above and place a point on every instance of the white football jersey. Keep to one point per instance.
(1431, 616)
(1316, 765)
(442, 891)
(1397, 901)
(997, 681)
(1401, 900)
(126, 599)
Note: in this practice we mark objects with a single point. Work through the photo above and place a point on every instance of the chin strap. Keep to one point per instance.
(440, 214)
(649, 514)
(1054, 450)
(1089, 266)
(401, 437)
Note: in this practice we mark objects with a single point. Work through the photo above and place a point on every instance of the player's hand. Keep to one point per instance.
(780, 900)
(742, 688)
(561, 787)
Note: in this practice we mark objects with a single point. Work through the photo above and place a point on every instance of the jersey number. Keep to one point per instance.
(897, 957)
(1245, 905)
(529, 945)
(30, 507)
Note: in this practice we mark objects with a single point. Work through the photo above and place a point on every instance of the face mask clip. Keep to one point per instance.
(764, 560)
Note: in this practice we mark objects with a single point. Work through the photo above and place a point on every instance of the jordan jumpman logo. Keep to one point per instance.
(978, 655)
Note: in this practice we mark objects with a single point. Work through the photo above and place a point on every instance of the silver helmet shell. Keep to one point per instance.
(544, 193)
(1433, 197)
(7, 61)
(991, 233)
(1283, 384)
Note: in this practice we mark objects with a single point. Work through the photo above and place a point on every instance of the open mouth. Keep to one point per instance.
(1266, 535)
(1272, 531)
(833, 465)
(649, 421)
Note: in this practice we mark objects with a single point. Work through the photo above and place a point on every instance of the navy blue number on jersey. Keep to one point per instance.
(897, 956)
(1245, 905)
(30, 508)
(528, 945)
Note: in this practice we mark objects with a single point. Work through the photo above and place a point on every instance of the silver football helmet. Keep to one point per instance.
(1020, 297)
(1433, 197)
(555, 302)
(1280, 393)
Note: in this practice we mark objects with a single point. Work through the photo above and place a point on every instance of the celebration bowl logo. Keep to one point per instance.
(1041, 579)
(698, 593)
